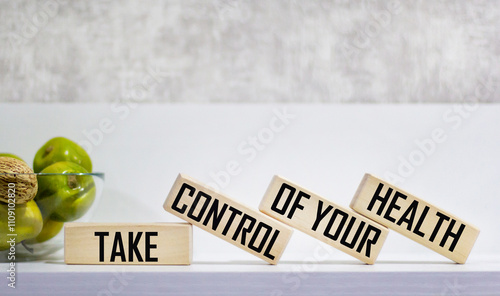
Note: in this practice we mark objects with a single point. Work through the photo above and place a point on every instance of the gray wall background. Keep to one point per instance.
(249, 51)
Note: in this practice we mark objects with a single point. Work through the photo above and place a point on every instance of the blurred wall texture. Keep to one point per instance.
(249, 51)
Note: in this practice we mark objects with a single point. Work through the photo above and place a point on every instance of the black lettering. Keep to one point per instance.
(270, 245)
(150, 246)
(296, 203)
(195, 204)
(442, 217)
(212, 213)
(230, 220)
(101, 236)
(259, 227)
(420, 221)
(132, 247)
(336, 212)
(242, 229)
(455, 236)
(383, 200)
(274, 206)
(369, 242)
(355, 238)
(117, 249)
(320, 215)
(175, 204)
(393, 206)
(412, 209)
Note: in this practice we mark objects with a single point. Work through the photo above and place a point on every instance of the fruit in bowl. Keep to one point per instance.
(61, 149)
(16, 171)
(67, 195)
(49, 230)
(35, 204)
(28, 224)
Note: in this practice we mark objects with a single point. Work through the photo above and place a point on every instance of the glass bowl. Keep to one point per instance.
(60, 198)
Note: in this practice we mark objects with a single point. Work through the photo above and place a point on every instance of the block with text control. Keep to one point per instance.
(415, 218)
(322, 219)
(226, 218)
(127, 243)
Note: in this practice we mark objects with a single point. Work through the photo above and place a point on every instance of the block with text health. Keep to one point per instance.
(415, 218)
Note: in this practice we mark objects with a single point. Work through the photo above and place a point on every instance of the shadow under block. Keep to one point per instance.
(322, 219)
(415, 218)
(123, 243)
(226, 218)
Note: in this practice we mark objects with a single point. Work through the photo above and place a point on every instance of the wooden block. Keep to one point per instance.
(415, 218)
(228, 219)
(122, 243)
(335, 225)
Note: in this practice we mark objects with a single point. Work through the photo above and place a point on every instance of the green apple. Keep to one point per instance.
(28, 223)
(67, 195)
(61, 149)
